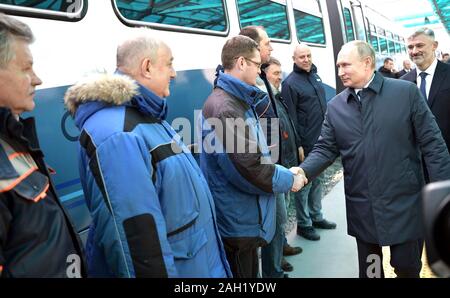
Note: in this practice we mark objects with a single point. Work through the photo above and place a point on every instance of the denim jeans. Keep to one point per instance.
(308, 203)
(272, 253)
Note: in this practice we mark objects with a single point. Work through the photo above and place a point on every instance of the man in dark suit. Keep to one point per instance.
(380, 127)
(431, 76)
(406, 68)
(446, 58)
(387, 70)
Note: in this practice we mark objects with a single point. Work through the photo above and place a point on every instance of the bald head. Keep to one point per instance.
(148, 61)
(302, 57)
(301, 47)
(132, 51)
(406, 64)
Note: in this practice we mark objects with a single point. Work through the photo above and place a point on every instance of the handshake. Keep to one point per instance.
(300, 179)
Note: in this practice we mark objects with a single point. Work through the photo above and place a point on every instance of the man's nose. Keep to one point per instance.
(35, 80)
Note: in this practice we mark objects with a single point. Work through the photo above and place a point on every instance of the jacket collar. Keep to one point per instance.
(244, 92)
(93, 94)
(375, 86)
(302, 71)
(22, 131)
(149, 103)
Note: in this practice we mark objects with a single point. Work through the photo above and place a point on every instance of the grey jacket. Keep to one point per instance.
(379, 140)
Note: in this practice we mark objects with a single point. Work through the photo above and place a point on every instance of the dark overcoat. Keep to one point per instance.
(439, 97)
(380, 139)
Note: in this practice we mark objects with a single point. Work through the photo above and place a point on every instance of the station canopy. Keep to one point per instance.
(442, 9)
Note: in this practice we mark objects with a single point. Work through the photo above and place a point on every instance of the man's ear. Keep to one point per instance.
(435, 45)
(369, 62)
(240, 63)
(146, 68)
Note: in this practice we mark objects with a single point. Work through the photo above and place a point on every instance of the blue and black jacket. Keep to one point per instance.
(237, 163)
(153, 213)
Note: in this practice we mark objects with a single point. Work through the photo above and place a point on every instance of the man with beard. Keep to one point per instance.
(380, 127)
(431, 76)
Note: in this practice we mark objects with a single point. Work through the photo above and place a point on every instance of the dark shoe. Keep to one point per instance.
(324, 224)
(286, 266)
(285, 275)
(308, 233)
(291, 251)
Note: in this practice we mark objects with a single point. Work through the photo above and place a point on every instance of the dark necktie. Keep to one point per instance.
(423, 84)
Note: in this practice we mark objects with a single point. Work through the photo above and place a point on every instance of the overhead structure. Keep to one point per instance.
(442, 9)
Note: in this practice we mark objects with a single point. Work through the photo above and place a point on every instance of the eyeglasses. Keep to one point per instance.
(257, 64)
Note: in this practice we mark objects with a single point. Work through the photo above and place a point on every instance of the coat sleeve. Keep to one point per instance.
(135, 236)
(249, 169)
(324, 153)
(429, 138)
(5, 220)
(290, 96)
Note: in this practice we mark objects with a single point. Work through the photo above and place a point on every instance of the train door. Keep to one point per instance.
(348, 20)
(361, 27)
(334, 8)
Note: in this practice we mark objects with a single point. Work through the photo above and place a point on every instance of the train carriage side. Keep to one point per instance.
(77, 40)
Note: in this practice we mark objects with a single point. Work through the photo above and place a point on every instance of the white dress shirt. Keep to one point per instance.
(367, 85)
(429, 78)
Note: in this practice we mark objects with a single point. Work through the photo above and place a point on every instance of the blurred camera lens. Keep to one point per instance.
(442, 232)
(436, 219)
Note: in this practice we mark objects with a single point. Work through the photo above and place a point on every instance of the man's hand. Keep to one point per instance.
(301, 154)
(300, 179)
(295, 170)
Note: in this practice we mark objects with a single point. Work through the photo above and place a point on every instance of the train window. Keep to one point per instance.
(402, 43)
(391, 47)
(360, 25)
(374, 42)
(382, 40)
(309, 28)
(204, 16)
(383, 46)
(397, 48)
(56, 9)
(309, 22)
(373, 37)
(348, 25)
(270, 14)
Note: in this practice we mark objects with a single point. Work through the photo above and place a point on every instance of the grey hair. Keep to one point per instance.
(133, 50)
(423, 31)
(272, 61)
(11, 30)
(364, 49)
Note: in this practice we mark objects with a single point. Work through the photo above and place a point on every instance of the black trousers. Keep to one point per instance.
(242, 255)
(405, 259)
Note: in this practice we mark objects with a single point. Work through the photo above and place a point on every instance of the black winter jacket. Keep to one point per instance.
(304, 94)
(37, 239)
